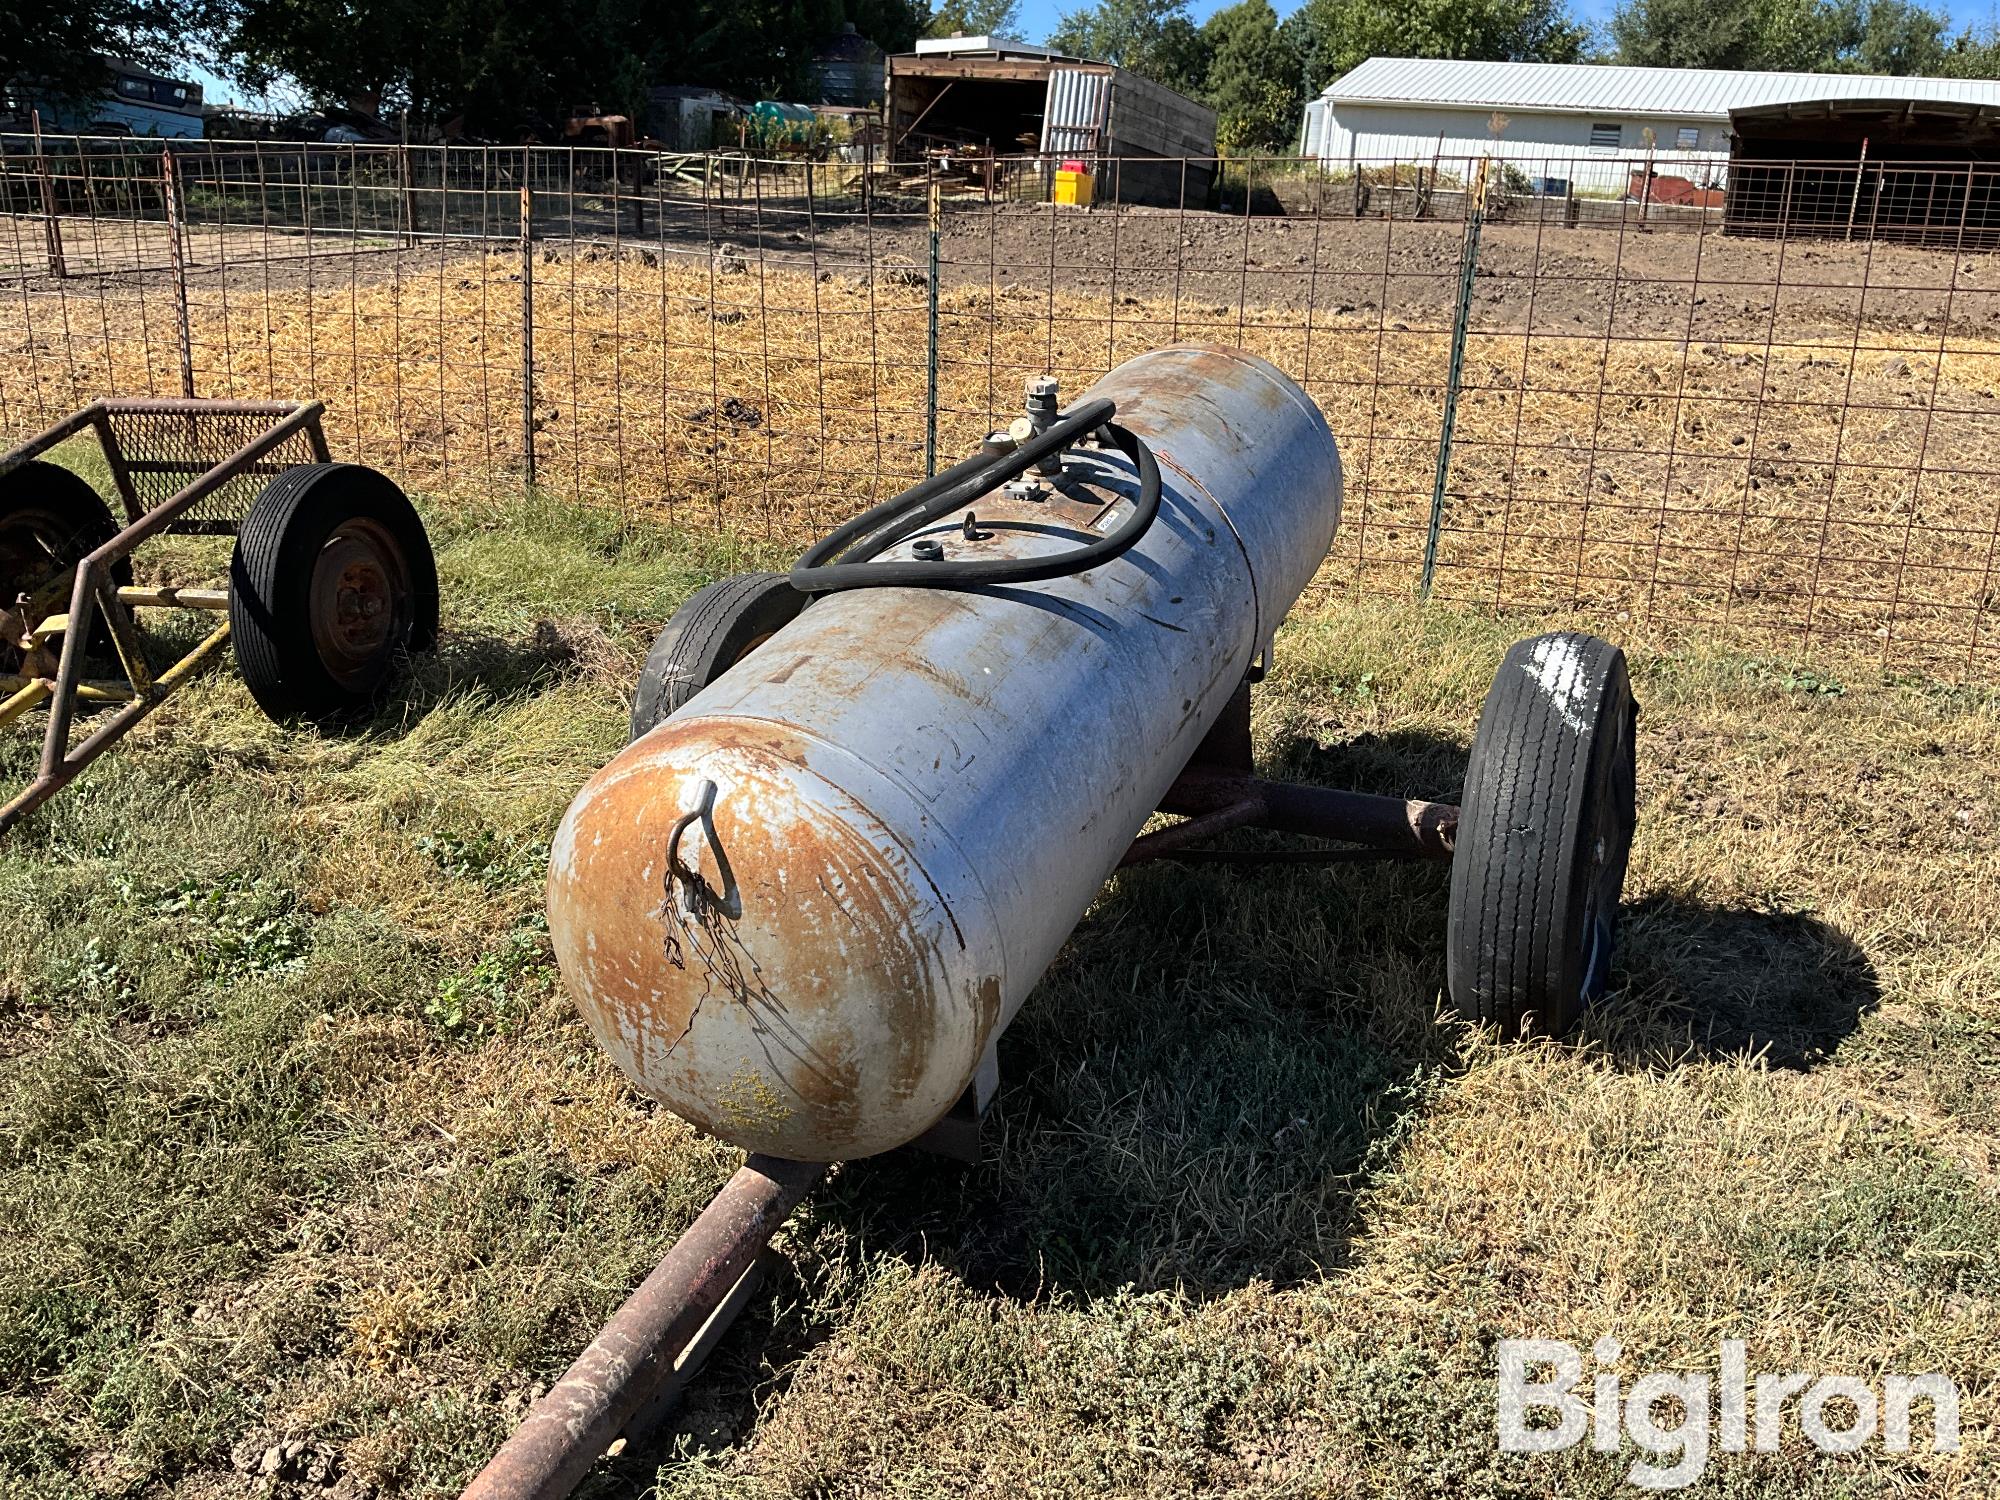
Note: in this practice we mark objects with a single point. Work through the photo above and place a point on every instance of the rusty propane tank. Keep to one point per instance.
(800, 910)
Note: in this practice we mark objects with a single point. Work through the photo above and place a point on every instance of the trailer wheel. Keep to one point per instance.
(50, 520)
(1543, 836)
(332, 576)
(717, 627)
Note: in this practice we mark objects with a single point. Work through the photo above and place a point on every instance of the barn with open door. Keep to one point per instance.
(1922, 170)
(978, 99)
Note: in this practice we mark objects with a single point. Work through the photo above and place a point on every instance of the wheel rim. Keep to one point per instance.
(360, 601)
(33, 549)
(1610, 835)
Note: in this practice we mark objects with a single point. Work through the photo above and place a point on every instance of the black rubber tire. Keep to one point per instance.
(716, 628)
(303, 513)
(46, 508)
(1544, 833)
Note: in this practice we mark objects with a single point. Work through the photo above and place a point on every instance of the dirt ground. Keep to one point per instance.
(1622, 283)
(1792, 441)
(1669, 283)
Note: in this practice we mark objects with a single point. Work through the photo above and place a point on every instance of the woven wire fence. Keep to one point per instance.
(1755, 399)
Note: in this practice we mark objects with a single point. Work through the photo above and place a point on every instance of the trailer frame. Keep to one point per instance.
(148, 445)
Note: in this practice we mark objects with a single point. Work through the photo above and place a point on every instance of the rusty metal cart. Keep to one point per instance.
(330, 578)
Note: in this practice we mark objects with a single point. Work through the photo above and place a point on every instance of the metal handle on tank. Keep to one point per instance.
(689, 878)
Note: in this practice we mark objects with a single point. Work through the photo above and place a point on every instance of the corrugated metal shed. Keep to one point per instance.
(986, 98)
(1079, 99)
(1676, 93)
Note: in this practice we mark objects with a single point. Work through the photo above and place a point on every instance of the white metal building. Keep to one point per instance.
(1583, 122)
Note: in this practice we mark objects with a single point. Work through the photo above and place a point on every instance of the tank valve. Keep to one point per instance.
(1044, 394)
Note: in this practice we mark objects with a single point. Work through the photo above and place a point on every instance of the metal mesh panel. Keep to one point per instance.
(164, 452)
(1754, 398)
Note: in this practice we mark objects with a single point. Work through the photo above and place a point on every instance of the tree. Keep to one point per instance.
(975, 18)
(59, 45)
(1339, 34)
(506, 64)
(1154, 38)
(1254, 79)
(1899, 38)
(1825, 36)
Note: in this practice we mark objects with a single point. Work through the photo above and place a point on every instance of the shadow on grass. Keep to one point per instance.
(1220, 1061)
(480, 663)
(1712, 983)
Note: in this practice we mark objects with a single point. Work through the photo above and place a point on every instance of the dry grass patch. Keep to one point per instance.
(1819, 483)
(301, 1143)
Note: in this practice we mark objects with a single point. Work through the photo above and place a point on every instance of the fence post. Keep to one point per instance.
(1468, 265)
(170, 195)
(528, 324)
(409, 195)
(931, 332)
(51, 226)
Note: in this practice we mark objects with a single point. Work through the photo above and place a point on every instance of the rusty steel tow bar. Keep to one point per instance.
(634, 1369)
(626, 1382)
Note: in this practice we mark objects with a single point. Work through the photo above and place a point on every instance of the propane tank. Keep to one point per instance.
(800, 909)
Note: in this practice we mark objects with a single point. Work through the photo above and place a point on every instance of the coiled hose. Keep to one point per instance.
(841, 560)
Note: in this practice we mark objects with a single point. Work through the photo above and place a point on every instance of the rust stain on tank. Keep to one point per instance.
(1194, 379)
(663, 957)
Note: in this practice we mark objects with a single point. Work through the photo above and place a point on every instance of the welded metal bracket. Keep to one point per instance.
(957, 1135)
(1218, 792)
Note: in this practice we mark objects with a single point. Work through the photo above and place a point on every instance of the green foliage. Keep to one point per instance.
(496, 992)
(1241, 63)
(506, 64)
(1254, 80)
(1895, 37)
(1339, 34)
(1787, 678)
(60, 44)
(975, 18)
(1153, 38)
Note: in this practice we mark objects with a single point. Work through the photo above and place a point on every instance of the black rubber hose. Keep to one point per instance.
(876, 530)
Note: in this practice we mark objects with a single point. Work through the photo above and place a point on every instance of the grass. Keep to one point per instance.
(301, 1143)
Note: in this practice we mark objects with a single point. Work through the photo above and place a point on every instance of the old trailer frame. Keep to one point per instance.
(122, 427)
(623, 1384)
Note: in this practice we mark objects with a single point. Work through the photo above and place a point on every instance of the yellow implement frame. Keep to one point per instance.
(54, 645)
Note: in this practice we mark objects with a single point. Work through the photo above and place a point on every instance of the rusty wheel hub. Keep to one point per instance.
(360, 600)
(32, 577)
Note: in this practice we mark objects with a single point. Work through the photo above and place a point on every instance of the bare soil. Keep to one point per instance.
(1675, 283)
